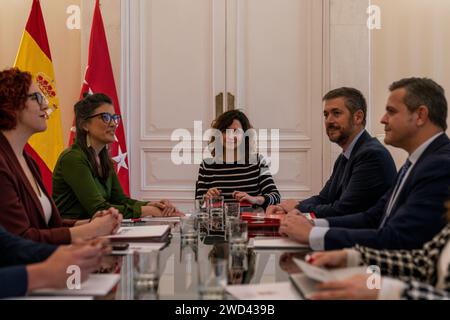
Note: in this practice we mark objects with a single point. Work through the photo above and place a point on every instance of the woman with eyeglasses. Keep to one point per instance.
(84, 180)
(26, 208)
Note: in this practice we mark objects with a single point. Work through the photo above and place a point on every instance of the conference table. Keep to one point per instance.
(179, 261)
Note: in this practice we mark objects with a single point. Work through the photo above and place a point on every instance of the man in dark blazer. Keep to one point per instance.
(363, 172)
(26, 265)
(412, 211)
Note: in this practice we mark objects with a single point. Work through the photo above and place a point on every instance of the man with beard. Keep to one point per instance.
(412, 212)
(363, 172)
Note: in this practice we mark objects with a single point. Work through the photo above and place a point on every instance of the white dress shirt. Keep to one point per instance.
(46, 205)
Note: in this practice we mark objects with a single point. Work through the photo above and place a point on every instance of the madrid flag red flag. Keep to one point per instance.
(34, 56)
(99, 79)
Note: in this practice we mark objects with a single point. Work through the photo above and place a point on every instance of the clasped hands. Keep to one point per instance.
(162, 208)
(239, 196)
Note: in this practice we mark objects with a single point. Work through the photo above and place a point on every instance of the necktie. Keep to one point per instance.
(340, 171)
(401, 176)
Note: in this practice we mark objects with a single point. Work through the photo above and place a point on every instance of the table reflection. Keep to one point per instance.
(179, 263)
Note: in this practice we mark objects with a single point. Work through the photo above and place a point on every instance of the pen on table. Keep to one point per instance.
(133, 221)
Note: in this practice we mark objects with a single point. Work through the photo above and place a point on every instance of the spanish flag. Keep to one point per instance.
(34, 56)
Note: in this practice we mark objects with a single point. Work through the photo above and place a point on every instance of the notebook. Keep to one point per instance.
(139, 246)
(264, 291)
(158, 233)
(95, 285)
(307, 282)
(276, 243)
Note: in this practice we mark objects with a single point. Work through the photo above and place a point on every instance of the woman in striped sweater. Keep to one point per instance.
(235, 170)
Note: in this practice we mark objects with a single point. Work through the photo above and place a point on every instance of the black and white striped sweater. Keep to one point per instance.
(253, 178)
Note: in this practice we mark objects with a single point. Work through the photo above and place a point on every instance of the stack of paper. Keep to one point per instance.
(276, 243)
(151, 219)
(145, 233)
(264, 291)
(162, 219)
(54, 298)
(95, 285)
(139, 246)
(307, 282)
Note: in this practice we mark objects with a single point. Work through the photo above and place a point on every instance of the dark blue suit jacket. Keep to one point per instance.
(15, 253)
(368, 174)
(417, 216)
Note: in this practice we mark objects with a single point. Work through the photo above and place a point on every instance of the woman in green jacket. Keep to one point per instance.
(84, 179)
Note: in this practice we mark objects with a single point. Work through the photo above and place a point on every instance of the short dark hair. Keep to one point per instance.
(83, 110)
(424, 92)
(225, 120)
(354, 100)
(14, 86)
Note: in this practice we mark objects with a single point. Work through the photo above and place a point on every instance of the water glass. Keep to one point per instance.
(212, 279)
(188, 229)
(146, 273)
(237, 268)
(216, 203)
(238, 236)
(201, 205)
(216, 221)
(202, 224)
(232, 212)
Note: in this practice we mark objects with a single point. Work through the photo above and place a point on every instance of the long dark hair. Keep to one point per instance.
(83, 110)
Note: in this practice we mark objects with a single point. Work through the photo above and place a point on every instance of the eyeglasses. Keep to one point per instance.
(107, 117)
(39, 97)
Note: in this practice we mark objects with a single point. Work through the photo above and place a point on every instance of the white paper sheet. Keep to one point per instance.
(313, 272)
(264, 291)
(276, 243)
(307, 282)
(325, 275)
(153, 219)
(139, 246)
(140, 232)
(95, 285)
(164, 219)
(38, 298)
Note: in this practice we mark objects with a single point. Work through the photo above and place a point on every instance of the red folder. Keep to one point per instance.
(261, 225)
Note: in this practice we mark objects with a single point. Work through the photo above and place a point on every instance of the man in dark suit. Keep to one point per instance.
(412, 211)
(363, 172)
(26, 265)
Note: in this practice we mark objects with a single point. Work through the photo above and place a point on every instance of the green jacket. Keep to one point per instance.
(78, 194)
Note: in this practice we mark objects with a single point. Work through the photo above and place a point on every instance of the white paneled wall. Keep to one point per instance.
(343, 52)
(348, 56)
(413, 41)
(176, 65)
